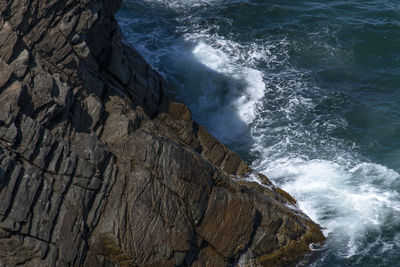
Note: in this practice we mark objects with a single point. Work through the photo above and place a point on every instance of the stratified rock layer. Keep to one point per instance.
(99, 168)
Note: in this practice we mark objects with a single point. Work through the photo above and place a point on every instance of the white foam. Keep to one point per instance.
(243, 101)
(340, 199)
(252, 177)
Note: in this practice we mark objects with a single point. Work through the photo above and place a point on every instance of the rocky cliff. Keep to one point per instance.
(99, 168)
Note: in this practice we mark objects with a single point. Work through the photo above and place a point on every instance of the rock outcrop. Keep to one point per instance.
(99, 168)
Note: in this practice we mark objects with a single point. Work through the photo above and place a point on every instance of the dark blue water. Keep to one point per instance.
(307, 91)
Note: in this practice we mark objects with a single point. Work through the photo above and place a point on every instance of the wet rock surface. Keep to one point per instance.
(99, 168)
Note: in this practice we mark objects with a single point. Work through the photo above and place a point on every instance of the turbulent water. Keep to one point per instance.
(307, 91)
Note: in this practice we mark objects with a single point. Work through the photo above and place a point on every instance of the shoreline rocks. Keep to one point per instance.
(99, 167)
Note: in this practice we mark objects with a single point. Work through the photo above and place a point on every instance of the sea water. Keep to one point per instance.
(308, 92)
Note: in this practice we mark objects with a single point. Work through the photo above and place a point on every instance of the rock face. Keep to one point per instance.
(99, 168)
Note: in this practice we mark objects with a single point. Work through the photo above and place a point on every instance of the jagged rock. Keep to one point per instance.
(99, 168)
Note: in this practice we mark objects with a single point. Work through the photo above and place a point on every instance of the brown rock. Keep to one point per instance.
(179, 111)
(228, 222)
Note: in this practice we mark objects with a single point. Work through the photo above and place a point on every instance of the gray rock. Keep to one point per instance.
(20, 64)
